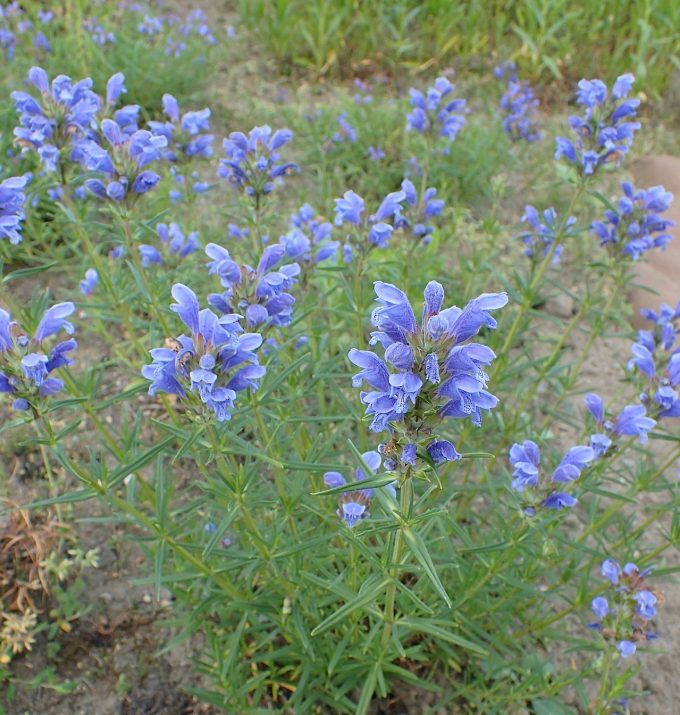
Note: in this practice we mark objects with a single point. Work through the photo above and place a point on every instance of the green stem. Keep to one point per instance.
(136, 261)
(530, 294)
(46, 462)
(405, 494)
(248, 520)
(605, 678)
(105, 278)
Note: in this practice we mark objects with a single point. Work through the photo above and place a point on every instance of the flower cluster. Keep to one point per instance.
(346, 132)
(197, 23)
(123, 165)
(625, 616)
(540, 239)
(603, 134)
(193, 182)
(350, 209)
(99, 35)
(632, 421)
(415, 215)
(126, 117)
(354, 504)
(209, 367)
(364, 94)
(14, 22)
(308, 240)
(518, 105)
(435, 112)
(253, 162)
(186, 135)
(65, 110)
(150, 25)
(428, 372)
(174, 244)
(636, 227)
(12, 200)
(536, 488)
(657, 359)
(260, 292)
(25, 365)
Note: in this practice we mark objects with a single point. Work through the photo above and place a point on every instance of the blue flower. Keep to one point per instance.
(211, 366)
(432, 374)
(611, 571)
(114, 88)
(364, 95)
(525, 458)
(595, 406)
(518, 106)
(540, 240)
(434, 112)
(415, 217)
(66, 109)
(175, 245)
(645, 601)
(187, 135)
(441, 451)
(308, 240)
(626, 648)
(262, 292)
(99, 35)
(89, 283)
(636, 226)
(25, 363)
(350, 209)
(632, 421)
(253, 163)
(150, 25)
(354, 504)
(126, 178)
(600, 607)
(40, 42)
(603, 134)
(573, 462)
(12, 200)
(346, 131)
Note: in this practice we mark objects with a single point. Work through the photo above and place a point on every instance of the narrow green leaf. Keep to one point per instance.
(371, 483)
(419, 550)
(70, 498)
(28, 272)
(366, 595)
(137, 463)
(441, 630)
(368, 689)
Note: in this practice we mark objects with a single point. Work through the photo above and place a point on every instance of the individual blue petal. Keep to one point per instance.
(54, 320)
(441, 451)
(626, 648)
(595, 406)
(408, 455)
(600, 607)
(333, 480)
(611, 570)
(559, 500)
(186, 306)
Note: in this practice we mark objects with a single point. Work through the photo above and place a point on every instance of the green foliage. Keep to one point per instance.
(546, 37)
(449, 587)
